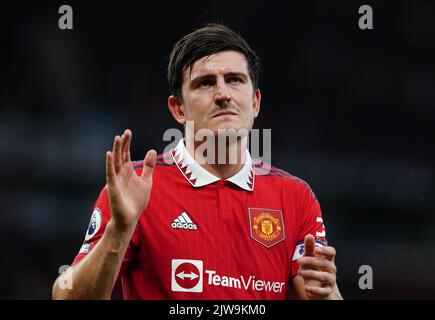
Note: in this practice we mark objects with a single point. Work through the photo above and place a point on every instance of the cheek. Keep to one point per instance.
(249, 113)
(247, 107)
(197, 108)
(244, 98)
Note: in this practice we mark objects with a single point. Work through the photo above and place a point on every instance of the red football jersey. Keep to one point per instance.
(205, 238)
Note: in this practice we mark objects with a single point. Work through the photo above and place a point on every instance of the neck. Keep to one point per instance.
(221, 158)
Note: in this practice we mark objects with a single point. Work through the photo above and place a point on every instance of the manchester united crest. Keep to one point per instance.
(267, 226)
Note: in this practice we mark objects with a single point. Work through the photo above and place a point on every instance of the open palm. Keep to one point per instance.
(129, 193)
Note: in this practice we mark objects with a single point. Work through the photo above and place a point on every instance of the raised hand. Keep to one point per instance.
(317, 268)
(129, 193)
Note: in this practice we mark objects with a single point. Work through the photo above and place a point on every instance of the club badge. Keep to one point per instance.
(266, 226)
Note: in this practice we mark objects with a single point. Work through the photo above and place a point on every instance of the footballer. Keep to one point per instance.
(180, 226)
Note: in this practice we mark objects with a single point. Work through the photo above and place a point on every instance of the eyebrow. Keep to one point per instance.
(238, 74)
(197, 79)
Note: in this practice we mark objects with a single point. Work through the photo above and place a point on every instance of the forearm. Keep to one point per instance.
(94, 277)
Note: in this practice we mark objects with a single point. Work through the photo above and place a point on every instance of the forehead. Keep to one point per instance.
(220, 63)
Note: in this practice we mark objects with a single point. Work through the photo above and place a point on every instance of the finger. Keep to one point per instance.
(316, 263)
(309, 245)
(110, 169)
(117, 153)
(127, 149)
(325, 278)
(126, 145)
(326, 252)
(320, 292)
(149, 163)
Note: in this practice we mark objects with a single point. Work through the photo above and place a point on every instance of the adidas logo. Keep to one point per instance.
(183, 222)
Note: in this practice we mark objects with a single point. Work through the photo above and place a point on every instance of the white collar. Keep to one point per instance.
(198, 176)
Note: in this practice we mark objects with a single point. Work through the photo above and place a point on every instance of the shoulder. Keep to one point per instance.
(264, 170)
(163, 160)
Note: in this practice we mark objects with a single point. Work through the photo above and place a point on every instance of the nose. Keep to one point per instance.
(222, 95)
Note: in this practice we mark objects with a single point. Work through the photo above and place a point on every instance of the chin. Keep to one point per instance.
(238, 130)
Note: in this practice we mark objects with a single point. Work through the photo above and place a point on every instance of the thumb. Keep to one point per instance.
(309, 245)
(149, 163)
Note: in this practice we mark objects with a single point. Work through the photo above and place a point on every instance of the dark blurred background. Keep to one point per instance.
(351, 111)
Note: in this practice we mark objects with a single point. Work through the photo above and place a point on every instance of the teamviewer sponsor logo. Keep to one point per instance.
(183, 221)
(187, 275)
(243, 283)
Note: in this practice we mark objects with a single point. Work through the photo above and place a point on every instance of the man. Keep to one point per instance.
(187, 225)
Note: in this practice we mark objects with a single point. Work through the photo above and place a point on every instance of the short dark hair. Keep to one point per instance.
(210, 39)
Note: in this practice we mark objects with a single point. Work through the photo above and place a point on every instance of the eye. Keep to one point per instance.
(234, 80)
(206, 83)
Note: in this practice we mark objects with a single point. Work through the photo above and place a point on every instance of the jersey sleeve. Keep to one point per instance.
(100, 217)
(310, 222)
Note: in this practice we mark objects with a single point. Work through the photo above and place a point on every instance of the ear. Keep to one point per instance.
(177, 109)
(257, 101)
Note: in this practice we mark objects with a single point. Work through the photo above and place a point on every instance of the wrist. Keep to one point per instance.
(119, 229)
(119, 236)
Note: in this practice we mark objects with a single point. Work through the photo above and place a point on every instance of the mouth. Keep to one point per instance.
(224, 113)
